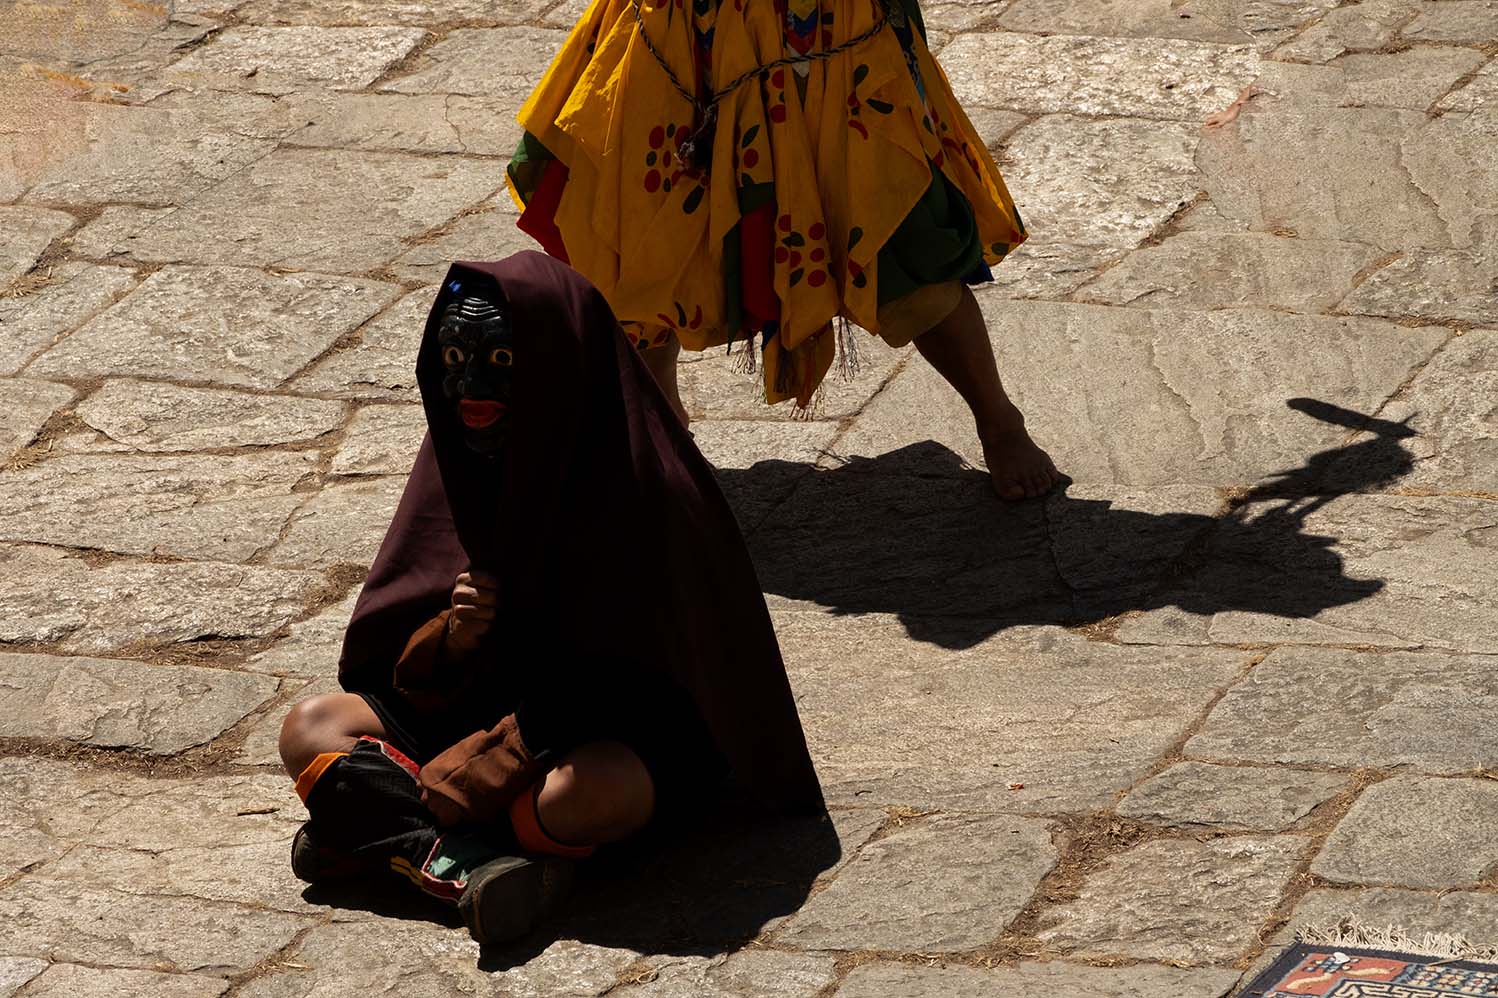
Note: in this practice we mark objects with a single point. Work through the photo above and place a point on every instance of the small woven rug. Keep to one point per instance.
(1389, 964)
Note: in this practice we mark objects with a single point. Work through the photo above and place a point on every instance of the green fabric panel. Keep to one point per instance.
(528, 165)
(937, 243)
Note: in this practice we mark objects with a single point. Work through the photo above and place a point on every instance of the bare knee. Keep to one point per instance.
(601, 792)
(331, 722)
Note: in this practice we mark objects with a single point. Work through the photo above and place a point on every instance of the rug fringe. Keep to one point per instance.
(1355, 934)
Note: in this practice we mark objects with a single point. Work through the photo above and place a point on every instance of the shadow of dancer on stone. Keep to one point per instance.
(912, 533)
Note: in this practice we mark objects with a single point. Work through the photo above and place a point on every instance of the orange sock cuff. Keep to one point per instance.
(314, 771)
(533, 836)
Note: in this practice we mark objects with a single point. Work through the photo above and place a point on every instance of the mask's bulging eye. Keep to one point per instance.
(500, 357)
(453, 356)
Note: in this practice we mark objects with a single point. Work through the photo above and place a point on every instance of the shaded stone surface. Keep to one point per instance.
(919, 547)
(381, 363)
(946, 883)
(914, 533)
(1157, 78)
(1413, 831)
(25, 234)
(1196, 902)
(1230, 797)
(1072, 722)
(728, 877)
(1218, 270)
(228, 325)
(499, 62)
(381, 440)
(343, 524)
(1260, 24)
(747, 974)
(117, 154)
(70, 922)
(156, 417)
(883, 980)
(75, 292)
(160, 709)
(1112, 545)
(25, 407)
(1430, 712)
(217, 507)
(307, 209)
(50, 596)
(389, 11)
(435, 123)
(1171, 397)
(66, 980)
(282, 60)
(780, 454)
(1390, 571)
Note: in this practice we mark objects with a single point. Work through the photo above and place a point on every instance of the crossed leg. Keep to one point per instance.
(600, 792)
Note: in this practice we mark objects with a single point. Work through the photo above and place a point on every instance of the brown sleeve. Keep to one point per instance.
(478, 778)
(419, 670)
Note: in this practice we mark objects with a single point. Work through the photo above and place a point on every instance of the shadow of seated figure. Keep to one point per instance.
(914, 533)
(699, 888)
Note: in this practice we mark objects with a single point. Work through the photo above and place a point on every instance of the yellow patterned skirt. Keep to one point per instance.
(827, 186)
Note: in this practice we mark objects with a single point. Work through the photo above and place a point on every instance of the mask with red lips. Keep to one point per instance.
(478, 356)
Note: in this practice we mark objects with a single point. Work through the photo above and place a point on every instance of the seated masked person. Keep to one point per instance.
(562, 639)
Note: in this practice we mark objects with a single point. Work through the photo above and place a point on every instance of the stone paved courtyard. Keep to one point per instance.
(1241, 676)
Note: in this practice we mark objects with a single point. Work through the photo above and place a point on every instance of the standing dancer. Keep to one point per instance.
(729, 170)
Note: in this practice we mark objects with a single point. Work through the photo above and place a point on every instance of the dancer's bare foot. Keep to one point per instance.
(1017, 466)
(959, 349)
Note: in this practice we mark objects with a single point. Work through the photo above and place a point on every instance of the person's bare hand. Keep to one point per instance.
(475, 603)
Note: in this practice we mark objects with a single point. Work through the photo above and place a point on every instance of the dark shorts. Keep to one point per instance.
(657, 721)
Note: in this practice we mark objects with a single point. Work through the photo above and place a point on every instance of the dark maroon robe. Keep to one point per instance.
(604, 524)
